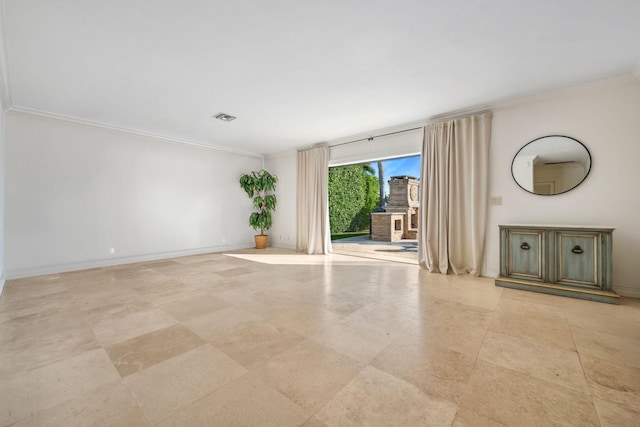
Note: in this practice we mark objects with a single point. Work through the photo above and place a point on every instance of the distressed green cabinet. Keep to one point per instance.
(568, 261)
(525, 258)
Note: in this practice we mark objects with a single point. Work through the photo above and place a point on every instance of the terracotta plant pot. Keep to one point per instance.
(261, 241)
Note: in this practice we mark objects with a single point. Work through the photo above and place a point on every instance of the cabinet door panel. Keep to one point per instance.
(578, 259)
(525, 254)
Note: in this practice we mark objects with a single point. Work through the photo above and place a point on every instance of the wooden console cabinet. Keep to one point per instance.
(568, 261)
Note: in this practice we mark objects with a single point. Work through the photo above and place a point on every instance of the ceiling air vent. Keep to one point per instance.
(224, 117)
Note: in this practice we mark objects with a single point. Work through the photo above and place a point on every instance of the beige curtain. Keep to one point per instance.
(313, 201)
(454, 195)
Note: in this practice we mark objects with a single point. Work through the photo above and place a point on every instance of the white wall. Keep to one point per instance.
(606, 120)
(74, 192)
(603, 116)
(284, 166)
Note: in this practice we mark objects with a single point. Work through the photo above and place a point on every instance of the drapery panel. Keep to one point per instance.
(313, 201)
(454, 195)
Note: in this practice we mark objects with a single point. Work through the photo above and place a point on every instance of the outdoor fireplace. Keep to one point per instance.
(400, 217)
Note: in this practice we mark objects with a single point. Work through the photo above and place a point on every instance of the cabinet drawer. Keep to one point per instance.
(524, 254)
(578, 255)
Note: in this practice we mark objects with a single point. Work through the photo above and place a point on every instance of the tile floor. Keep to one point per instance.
(275, 338)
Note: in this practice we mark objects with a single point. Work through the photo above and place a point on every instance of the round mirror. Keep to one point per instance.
(552, 164)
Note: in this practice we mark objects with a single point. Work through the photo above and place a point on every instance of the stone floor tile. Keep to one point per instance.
(314, 422)
(437, 371)
(192, 305)
(355, 339)
(606, 321)
(552, 330)
(256, 342)
(473, 419)
(553, 364)
(609, 347)
(37, 349)
(453, 336)
(615, 415)
(221, 322)
(306, 319)
(146, 350)
(321, 338)
(613, 382)
(515, 399)
(119, 322)
(50, 385)
(109, 405)
(18, 289)
(309, 374)
(246, 401)
(167, 387)
(377, 398)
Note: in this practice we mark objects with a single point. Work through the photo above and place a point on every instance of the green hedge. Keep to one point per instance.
(353, 195)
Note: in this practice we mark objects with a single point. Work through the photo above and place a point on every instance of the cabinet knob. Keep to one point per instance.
(525, 246)
(577, 249)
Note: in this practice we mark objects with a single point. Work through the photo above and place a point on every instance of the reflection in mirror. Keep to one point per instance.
(551, 165)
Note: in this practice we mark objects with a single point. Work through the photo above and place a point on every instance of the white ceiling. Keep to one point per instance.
(297, 72)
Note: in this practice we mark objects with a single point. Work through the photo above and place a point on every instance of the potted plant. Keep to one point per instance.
(259, 186)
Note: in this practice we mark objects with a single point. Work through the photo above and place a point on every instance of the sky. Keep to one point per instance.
(409, 166)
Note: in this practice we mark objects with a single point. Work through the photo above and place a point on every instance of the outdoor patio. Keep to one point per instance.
(405, 251)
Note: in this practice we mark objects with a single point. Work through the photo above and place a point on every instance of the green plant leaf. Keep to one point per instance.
(257, 185)
(257, 202)
(353, 195)
(270, 202)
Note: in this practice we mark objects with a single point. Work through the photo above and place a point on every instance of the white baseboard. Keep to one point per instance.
(627, 290)
(2, 282)
(83, 265)
(622, 290)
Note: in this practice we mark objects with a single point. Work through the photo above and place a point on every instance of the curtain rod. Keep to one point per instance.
(371, 138)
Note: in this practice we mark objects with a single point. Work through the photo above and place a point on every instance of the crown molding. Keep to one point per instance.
(533, 98)
(285, 153)
(499, 105)
(127, 131)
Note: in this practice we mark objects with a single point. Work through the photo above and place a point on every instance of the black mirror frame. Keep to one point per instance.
(552, 136)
